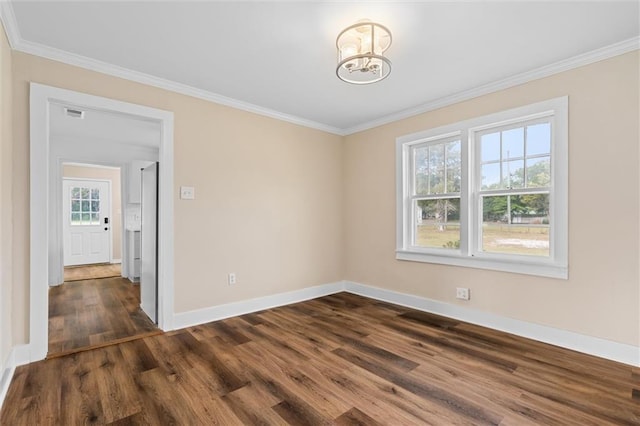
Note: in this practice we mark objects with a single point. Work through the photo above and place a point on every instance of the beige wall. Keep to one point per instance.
(6, 136)
(286, 207)
(116, 200)
(601, 297)
(268, 194)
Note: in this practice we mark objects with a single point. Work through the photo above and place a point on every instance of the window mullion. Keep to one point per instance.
(465, 190)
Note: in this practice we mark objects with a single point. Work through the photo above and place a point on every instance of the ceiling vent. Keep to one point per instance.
(74, 113)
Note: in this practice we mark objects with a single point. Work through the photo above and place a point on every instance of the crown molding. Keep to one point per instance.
(140, 77)
(587, 58)
(17, 43)
(8, 19)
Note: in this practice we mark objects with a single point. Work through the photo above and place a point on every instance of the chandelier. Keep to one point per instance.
(360, 53)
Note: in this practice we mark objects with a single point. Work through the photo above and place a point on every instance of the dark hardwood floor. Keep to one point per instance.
(93, 313)
(341, 359)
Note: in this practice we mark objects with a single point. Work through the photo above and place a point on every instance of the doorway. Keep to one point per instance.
(95, 306)
(43, 224)
(86, 227)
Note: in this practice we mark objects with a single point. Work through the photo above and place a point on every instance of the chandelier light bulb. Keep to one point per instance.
(361, 50)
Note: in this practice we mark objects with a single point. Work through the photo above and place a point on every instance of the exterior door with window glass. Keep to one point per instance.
(86, 222)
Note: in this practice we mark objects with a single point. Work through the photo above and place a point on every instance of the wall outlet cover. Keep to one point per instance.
(187, 193)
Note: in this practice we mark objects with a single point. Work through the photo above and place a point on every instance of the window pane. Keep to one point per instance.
(84, 193)
(86, 218)
(75, 218)
(516, 224)
(95, 219)
(454, 164)
(436, 169)
(453, 179)
(491, 176)
(513, 143)
(436, 156)
(538, 172)
(421, 167)
(490, 147)
(436, 181)
(75, 192)
(95, 194)
(539, 139)
(438, 223)
(85, 206)
(95, 206)
(513, 174)
(75, 206)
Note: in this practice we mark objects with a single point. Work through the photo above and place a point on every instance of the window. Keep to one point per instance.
(488, 193)
(85, 206)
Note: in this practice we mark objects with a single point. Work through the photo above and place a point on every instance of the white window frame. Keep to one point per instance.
(469, 255)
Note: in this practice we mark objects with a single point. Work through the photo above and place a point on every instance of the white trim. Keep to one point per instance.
(19, 355)
(10, 24)
(18, 43)
(478, 262)
(583, 59)
(215, 313)
(608, 349)
(6, 374)
(40, 98)
(90, 166)
(140, 77)
(116, 261)
(469, 254)
(603, 348)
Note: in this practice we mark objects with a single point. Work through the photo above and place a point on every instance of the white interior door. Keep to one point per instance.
(85, 224)
(149, 242)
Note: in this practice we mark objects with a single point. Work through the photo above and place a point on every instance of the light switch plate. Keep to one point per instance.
(187, 193)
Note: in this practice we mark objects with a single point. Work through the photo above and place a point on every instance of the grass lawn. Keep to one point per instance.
(496, 237)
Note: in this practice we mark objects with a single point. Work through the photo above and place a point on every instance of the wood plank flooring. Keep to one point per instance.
(92, 313)
(90, 272)
(340, 359)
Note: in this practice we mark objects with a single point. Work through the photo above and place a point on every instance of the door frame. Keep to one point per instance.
(97, 165)
(110, 186)
(41, 97)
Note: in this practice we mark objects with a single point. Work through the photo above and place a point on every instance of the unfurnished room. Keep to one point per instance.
(320, 212)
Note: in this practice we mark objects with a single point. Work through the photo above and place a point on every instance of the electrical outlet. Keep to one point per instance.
(462, 293)
(187, 193)
(231, 279)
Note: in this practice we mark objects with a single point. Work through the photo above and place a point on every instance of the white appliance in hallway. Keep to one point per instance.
(149, 242)
(85, 225)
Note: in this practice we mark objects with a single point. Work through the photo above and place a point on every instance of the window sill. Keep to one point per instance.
(518, 267)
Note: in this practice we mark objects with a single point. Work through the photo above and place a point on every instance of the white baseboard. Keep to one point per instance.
(627, 354)
(19, 355)
(620, 352)
(214, 313)
(114, 261)
(8, 368)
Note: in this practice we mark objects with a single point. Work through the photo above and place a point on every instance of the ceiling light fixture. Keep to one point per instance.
(360, 53)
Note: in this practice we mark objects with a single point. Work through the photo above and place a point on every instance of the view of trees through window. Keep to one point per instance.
(515, 167)
(513, 187)
(438, 176)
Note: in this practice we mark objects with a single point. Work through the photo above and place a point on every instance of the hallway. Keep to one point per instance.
(95, 313)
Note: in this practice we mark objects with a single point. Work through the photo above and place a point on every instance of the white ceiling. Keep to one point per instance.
(279, 58)
(103, 127)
